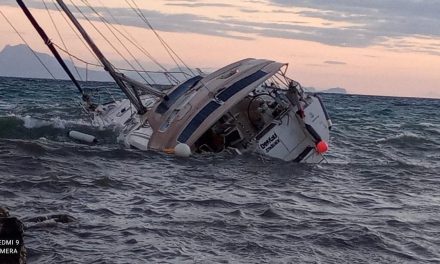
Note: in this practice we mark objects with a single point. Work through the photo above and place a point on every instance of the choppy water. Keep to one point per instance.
(376, 200)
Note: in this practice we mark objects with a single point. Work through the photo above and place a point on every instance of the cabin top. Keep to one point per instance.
(195, 105)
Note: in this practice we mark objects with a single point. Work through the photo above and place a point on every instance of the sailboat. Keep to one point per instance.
(245, 107)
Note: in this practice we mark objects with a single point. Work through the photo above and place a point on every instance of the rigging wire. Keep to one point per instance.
(171, 78)
(168, 74)
(38, 58)
(42, 63)
(105, 38)
(33, 52)
(99, 65)
(62, 41)
(107, 24)
(137, 10)
(165, 43)
(77, 34)
(169, 50)
(135, 43)
(76, 57)
(161, 41)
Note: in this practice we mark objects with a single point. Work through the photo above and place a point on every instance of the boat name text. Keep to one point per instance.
(270, 142)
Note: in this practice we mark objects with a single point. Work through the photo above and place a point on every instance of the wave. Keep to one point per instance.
(6, 106)
(430, 127)
(14, 126)
(427, 124)
(56, 122)
(405, 137)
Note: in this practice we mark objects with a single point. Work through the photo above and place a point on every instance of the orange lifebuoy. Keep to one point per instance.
(321, 147)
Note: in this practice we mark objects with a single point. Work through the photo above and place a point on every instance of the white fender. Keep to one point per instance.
(82, 137)
(182, 150)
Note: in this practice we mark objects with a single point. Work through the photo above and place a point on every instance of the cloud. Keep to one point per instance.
(247, 10)
(367, 23)
(375, 20)
(183, 22)
(335, 62)
(199, 4)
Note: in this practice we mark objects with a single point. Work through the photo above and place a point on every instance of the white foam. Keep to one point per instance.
(6, 106)
(56, 122)
(430, 125)
(30, 122)
(404, 134)
(59, 123)
(392, 125)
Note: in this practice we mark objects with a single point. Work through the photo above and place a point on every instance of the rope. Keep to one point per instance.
(33, 52)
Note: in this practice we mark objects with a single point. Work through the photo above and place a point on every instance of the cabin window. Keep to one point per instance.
(176, 93)
(224, 95)
(240, 85)
(198, 120)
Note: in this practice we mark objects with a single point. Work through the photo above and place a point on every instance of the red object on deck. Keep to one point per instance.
(321, 147)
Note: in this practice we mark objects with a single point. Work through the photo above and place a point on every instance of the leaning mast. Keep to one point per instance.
(128, 85)
(50, 45)
(131, 93)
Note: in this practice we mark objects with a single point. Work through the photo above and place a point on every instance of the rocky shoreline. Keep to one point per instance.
(12, 250)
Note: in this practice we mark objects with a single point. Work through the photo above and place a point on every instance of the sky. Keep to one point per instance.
(378, 47)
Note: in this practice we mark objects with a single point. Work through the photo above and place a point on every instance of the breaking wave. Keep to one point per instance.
(55, 128)
(406, 138)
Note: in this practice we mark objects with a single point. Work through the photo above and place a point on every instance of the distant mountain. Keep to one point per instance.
(18, 61)
(336, 90)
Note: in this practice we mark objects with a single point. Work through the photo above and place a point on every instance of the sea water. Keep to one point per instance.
(375, 200)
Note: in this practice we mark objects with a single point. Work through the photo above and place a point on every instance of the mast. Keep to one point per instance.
(127, 85)
(50, 45)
